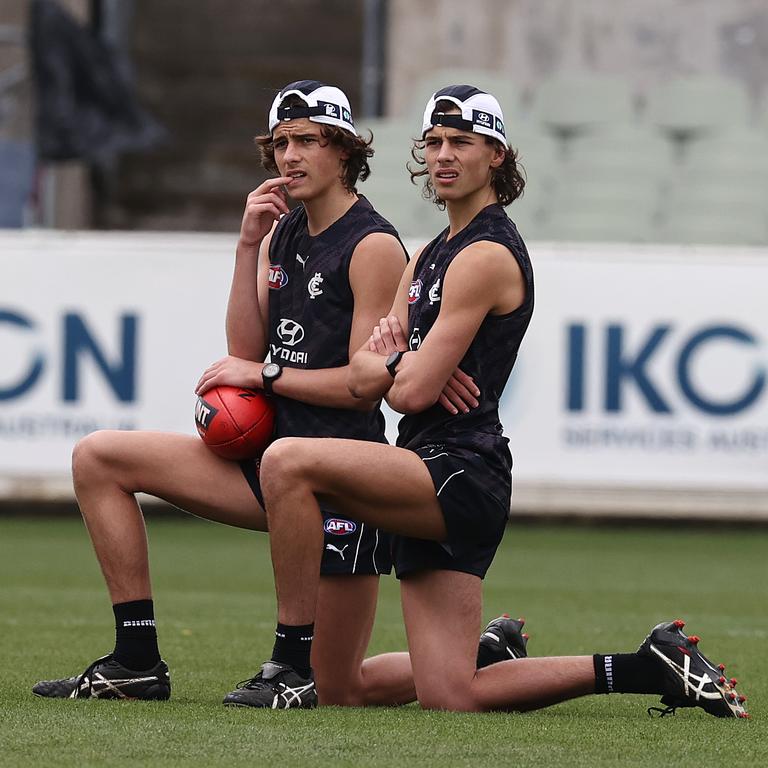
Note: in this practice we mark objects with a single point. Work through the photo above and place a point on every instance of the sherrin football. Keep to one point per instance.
(235, 423)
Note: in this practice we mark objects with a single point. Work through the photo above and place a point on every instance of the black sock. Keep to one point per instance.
(293, 645)
(135, 635)
(627, 673)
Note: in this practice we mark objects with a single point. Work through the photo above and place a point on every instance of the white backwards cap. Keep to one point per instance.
(324, 104)
(480, 112)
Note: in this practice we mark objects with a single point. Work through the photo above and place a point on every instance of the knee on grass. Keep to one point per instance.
(449, 700)
(334, 695)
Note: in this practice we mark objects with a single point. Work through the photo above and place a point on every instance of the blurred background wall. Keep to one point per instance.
(206, 71)
(646, 42)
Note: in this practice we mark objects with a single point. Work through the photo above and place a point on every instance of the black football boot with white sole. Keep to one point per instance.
(692, 679)
(105, 678)
(277, 686)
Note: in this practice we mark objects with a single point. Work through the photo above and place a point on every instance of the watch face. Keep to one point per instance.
(270, 370)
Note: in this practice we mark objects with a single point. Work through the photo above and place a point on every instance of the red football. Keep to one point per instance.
(235, 423)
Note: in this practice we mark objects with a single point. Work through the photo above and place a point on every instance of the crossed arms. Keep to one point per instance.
(482, 279)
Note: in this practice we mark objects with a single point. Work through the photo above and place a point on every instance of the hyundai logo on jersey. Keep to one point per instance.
(290, 332)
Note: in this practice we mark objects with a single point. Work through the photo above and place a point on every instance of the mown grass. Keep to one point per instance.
(581, 589)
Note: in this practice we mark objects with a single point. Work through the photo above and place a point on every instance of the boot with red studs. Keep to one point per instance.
(693, 681)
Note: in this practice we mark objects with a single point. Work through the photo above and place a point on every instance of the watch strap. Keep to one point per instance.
(393, 361)
(268, 381)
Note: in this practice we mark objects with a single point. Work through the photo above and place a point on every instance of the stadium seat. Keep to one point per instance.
(402, 203)
(714, 224)
(688, 105)
(734, 149)
(618, 169)
(727, 178)
(695, 196)
(625, 142)
(536, 150)
(529, 215)
(392, 141)
(619, 224)
(389, 187)
(582, 208)
(577, 192)
(569, 104)
(621, 172)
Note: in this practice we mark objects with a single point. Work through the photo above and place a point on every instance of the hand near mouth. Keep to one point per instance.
(264, 206)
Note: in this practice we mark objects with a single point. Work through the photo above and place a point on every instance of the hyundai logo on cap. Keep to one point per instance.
(324, 104)
(480, 112)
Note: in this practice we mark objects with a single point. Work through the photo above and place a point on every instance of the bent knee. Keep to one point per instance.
(90, 455)
(285, 459)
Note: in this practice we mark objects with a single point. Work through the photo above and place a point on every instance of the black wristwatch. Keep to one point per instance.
(392, 362)
(270, 373)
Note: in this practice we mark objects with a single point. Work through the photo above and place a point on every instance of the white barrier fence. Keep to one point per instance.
(641, 386)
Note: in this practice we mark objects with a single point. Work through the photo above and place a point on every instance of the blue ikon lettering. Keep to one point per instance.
(36, 365)
(620, 368)
(686, 383)
(576, 342)
(624, 369)
(79, 344)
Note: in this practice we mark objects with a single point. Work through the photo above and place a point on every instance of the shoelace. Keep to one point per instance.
(87, 673)
(662, 712)
(254, 683)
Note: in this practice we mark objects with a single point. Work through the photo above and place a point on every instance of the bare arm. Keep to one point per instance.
(483, 279)
(368, 378)
(247, 333)
(246, 322)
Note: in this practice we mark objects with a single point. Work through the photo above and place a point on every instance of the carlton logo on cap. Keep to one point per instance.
(322, 104)
(480, 112)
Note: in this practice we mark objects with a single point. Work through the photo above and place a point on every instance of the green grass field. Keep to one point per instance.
(581, 589)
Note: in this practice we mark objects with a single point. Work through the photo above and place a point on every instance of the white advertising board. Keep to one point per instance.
(103, 331)
(643, 367)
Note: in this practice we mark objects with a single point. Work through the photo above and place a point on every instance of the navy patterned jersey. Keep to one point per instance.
(310, 314)
(492, 353)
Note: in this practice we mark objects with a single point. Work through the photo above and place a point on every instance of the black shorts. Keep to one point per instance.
(350, 547)
(474, 495)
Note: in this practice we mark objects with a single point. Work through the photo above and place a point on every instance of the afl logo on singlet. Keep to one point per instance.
(339, 527)
(277, 277)
(414, 292)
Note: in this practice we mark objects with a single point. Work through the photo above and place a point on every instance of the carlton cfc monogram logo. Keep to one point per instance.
(314, 286)
(434, 292)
